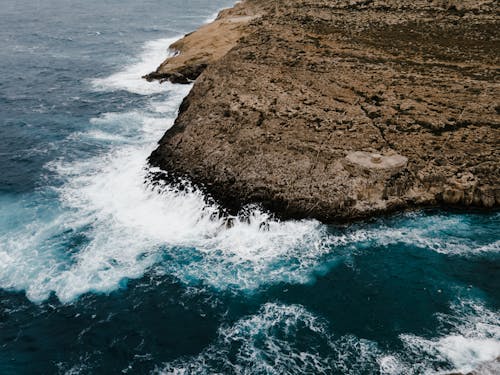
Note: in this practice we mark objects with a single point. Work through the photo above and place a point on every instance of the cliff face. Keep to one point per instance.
(344, 109)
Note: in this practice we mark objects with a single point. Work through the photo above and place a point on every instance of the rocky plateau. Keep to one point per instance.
(339, 110)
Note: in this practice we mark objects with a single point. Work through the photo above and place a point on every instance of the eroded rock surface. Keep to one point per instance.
(343, 109)
(208, 44)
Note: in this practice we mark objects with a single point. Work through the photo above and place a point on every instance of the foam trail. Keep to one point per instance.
(472, 341)
(266, 343)
(212, 18)
(214, 15)
(120, 228)
(129, 79)
(111, 226)
(134, 226)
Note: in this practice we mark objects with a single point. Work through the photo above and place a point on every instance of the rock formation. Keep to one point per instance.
(205, 46)
(338, 109)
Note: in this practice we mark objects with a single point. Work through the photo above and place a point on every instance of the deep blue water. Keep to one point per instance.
(100, 273)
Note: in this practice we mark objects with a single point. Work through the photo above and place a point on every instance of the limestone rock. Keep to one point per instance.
(338, 109)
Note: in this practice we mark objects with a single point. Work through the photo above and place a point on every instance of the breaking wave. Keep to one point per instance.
(102, 222)
(130, 79)
(289, 339)
(111, 225)
(279, 339)
(472, 341)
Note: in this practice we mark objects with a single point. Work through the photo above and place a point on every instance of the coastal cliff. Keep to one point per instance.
(340, 109)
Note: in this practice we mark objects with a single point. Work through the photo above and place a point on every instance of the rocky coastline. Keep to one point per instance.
(339, 110)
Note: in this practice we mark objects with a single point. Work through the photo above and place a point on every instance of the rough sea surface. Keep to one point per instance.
(103, 273)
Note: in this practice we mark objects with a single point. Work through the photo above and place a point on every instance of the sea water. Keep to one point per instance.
(102, 272)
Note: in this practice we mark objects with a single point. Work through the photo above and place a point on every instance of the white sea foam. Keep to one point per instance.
(211, 18)
(493, 247)
(117, 227)
(466, 354)
(391, 365)
(130, 78)
(472, 341)
(128, 227)
(267, 343)
(449, 235)
(132, 226)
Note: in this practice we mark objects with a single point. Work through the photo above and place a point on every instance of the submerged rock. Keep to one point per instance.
(342, 109)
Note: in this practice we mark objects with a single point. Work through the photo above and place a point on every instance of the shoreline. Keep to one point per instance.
(349, 156)
(195, 51)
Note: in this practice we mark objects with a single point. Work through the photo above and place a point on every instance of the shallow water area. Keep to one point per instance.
(102, 271)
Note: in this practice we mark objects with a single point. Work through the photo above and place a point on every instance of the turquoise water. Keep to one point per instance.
(100, 272)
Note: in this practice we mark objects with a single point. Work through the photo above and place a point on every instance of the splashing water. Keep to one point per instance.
(268, 342)
(95, 242)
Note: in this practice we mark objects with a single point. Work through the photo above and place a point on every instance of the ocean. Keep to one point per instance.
(103, 272)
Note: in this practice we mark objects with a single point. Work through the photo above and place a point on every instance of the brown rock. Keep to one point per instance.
(208, 44)
(343, 109)
(453, 195)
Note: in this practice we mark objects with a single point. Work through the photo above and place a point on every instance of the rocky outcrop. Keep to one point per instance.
(208, 44)
(344, 109)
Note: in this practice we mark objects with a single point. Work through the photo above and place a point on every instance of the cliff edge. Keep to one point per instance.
(338, 109)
